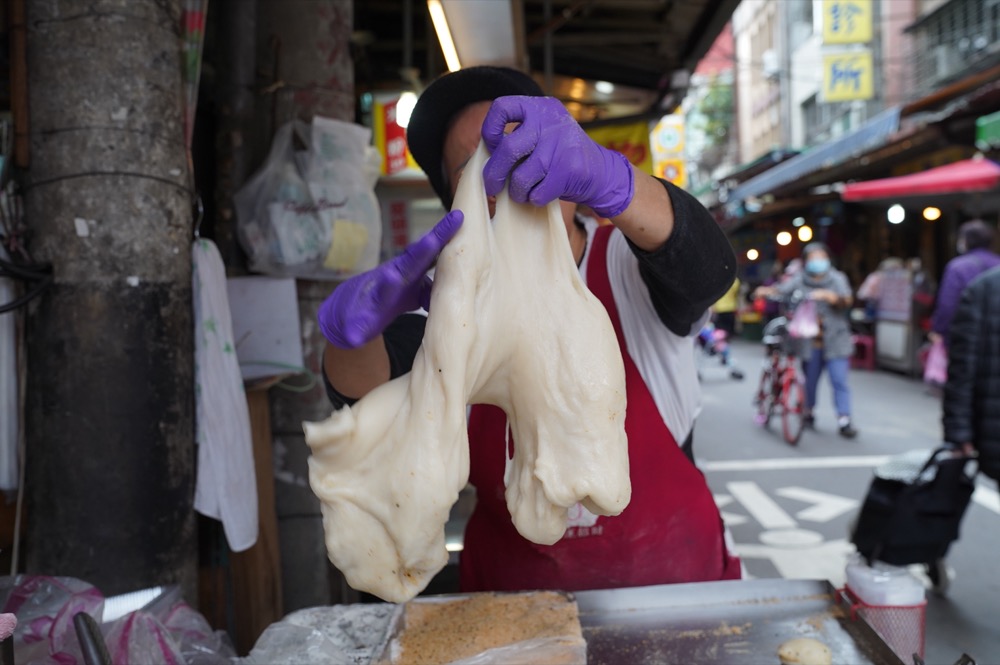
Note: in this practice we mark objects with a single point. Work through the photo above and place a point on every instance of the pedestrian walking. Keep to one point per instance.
(725, 309)
(975, 256)
(825, 288)
(971, 414)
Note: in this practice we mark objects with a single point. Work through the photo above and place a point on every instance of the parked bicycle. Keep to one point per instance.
(780, 392)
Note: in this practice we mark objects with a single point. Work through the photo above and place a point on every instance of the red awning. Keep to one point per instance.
(968, 175)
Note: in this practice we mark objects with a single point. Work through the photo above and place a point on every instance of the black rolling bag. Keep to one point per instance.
(914, 507)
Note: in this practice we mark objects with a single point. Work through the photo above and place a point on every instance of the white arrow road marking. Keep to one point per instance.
(825, 506)
(731, 519)
(782, 463)
(760, 505)
(787, 538)
(825, 561)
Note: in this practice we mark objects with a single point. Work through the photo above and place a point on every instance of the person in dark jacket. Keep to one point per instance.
(975, 239)
(972, 394)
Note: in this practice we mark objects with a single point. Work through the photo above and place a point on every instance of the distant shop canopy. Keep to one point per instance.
(868, 136)
(968, 176)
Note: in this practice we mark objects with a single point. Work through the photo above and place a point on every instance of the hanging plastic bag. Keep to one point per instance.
(936, 367)
(310, 211)
(805, 321)
(342, 170)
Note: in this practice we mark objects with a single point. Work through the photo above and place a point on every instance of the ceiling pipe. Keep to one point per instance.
(407, 34)
(547, 45)
(408, 73)
(551, 25)
(521, 59)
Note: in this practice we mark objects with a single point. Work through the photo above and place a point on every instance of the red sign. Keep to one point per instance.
(390, 138)
(399, 225)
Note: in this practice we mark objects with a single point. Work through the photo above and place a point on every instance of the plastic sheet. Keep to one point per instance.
(45, 607)
(338, 635)
(165, 632)
(310, 211)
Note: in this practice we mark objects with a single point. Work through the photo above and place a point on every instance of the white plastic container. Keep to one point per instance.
(883, 585)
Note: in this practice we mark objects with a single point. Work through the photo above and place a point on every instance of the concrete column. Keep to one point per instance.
(110, 413)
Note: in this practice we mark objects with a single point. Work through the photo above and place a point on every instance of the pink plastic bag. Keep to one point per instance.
(936, 369)
(805, 321)
(45, 607)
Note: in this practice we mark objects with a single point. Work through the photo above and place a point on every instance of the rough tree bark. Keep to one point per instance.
(110, 460)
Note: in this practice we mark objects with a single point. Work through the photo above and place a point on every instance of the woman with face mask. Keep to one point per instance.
(832, 347)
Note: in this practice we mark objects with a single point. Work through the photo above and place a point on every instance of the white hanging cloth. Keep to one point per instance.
(226, 486)
(9, 412)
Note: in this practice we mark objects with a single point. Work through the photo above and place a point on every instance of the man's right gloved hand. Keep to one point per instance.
(363, 306)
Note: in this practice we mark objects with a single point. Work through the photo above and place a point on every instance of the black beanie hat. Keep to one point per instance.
(443, 99)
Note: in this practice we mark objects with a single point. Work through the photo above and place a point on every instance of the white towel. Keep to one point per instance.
(226, 487)
(9, 412)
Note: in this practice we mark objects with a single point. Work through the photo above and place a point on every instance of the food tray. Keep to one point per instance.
(566, 648)
(738, 622)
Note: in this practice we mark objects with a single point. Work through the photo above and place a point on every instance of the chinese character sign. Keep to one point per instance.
(847, 21)
(631, 140)
(847, 76)
(390, 138)
(667, 140)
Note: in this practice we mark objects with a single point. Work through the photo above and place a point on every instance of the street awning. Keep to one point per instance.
(966, 176)
(870, 135)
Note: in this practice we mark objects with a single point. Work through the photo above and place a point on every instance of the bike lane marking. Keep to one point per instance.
(760, 506)
(796, 552)
(986, 496)
(825, 506)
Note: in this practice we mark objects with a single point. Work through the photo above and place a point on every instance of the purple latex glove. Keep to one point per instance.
(549, 156)
(363, 306)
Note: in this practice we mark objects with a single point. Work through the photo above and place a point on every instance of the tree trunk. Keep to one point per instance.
(110, 454)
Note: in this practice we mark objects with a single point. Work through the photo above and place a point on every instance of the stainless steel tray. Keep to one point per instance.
(734, 622)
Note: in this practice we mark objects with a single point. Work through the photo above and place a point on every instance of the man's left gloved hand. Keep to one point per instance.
(548, 156)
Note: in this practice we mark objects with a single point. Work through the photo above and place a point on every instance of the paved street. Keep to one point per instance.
(789, 508)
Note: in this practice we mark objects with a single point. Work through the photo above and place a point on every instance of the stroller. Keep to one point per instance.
(714, 342)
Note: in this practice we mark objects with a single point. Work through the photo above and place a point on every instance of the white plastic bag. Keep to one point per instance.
(310, 211)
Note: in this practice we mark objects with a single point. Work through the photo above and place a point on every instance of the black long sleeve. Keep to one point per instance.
(963, 359)
(692, 270)
(402, 339)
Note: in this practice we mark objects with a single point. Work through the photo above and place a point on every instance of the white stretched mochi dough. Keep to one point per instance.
(511, 324)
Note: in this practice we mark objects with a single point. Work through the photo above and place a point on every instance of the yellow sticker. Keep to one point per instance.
(347, 246)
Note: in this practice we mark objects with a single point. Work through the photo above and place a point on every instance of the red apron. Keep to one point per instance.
(670, 532)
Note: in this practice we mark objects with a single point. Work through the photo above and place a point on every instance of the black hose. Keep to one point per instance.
(34, 292)
(33, 271)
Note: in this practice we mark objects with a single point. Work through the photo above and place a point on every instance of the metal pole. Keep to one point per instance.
(547, 46)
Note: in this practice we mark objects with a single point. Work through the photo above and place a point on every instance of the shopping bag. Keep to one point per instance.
(310, 211)
(805, 321)
(914, 507)
(936, 367)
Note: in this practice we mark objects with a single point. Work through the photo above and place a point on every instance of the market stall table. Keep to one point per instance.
(711, 622)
